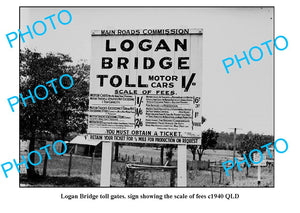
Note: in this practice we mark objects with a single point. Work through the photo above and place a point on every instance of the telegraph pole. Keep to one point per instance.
(234, 149)
(234, 137)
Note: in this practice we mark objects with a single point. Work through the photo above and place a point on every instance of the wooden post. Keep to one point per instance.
(223, 176)
(212, 175)
(172, 178)
(91, 169)
(258, 174)
(220, 175)
(181, 165)
(76, 148)
(45, 165)
(126, 176)
(106, 164)
(162, 155)
(116, 152)
(70, 164)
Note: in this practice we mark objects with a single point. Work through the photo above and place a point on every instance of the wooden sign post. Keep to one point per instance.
(258, 174)
(106, 164)
(181, 166)
(257, 157)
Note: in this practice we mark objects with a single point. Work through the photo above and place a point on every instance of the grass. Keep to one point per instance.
(57, 171)
(59, 181)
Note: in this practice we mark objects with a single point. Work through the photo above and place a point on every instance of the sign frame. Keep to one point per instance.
(195, 64)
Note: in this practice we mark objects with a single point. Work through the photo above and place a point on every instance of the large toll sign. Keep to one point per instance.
(145, 86)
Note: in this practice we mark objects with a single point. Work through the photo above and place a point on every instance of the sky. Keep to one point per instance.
(241, 99)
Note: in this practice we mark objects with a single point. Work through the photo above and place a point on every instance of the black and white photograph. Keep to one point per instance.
(145, 103)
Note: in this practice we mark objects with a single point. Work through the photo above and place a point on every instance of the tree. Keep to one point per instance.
(58, 113)
(71, 107)
(209, 140)
(252, 141)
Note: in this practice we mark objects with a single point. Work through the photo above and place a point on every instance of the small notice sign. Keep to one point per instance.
(257, 158)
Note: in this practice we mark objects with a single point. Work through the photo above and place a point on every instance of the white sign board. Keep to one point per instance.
(257, 157)
(145, 86)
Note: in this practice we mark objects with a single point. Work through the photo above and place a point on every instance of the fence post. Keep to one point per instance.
(126, 175)
(220, 175)
(91, 169)
(70, 164)
(172, 178)
(212, 174)
(162, 155)
(45, 165)
(116, 151)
